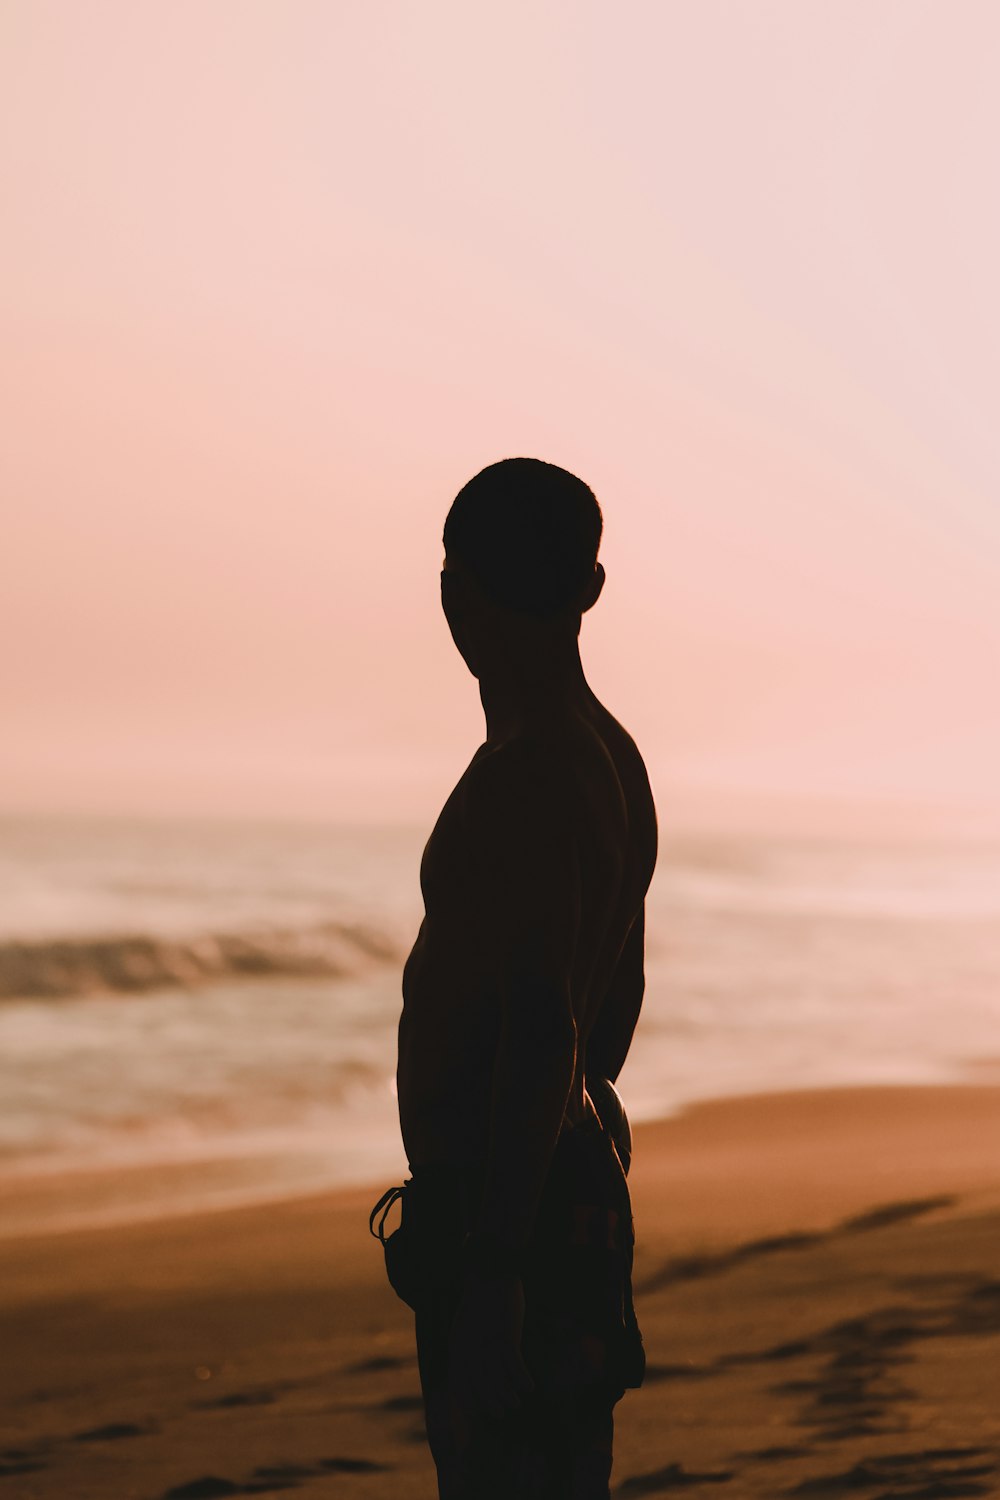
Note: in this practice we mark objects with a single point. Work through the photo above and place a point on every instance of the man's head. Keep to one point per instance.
(528, 532)
(521, 542)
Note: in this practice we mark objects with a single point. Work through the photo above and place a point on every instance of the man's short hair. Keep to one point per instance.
(528, 532)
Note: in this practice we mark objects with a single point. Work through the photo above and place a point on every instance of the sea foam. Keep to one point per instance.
(127, 963)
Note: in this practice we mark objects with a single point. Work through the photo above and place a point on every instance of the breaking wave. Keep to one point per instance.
(62, 968)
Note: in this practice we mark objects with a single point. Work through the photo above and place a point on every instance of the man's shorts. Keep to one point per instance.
(581, 1341)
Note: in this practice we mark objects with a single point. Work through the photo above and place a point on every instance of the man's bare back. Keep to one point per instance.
(583, 782)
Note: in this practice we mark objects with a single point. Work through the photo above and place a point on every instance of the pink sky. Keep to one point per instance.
(279, 277)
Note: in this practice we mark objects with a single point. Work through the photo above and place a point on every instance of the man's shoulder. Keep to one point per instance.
(620, 744)
(506, 780)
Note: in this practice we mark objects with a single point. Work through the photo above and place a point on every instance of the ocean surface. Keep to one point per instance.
(219, 1001)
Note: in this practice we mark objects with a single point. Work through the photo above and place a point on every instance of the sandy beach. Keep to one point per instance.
(817, 1278)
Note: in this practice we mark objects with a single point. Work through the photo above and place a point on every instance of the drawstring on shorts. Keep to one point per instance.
(384, 1204)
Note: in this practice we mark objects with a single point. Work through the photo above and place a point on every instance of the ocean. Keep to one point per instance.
(198, 1013)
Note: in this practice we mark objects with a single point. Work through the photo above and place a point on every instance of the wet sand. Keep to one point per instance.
(817, 1278)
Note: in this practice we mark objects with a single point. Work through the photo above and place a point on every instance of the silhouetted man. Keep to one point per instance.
(520, 998)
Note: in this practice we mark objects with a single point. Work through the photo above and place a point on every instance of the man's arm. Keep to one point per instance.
(530, 913)
(611, 1036)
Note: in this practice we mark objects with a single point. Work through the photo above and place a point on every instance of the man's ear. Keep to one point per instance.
(592, 592)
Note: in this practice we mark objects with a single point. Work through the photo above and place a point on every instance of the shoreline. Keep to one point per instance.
(815, 1277)
(67, 1201)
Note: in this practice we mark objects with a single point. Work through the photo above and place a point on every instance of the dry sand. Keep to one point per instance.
(818, 1282)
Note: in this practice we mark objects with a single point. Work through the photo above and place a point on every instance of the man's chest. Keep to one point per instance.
(445, 982)
(449, 869)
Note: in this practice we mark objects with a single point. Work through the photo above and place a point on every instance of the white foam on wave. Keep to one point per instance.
(128, 963)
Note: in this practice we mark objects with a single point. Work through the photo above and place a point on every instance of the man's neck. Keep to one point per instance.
(532, 690)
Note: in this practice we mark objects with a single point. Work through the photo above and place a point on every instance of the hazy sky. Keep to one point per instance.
(278, 277)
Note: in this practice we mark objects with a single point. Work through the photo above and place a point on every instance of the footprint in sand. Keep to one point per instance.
(20, 1461)
(895, 1213)
(268, 1477)
(933, 1473)
(403, 1403)
(238, 1398)
(673, 1477)
(692, 1267)
(656, 1373)
(112, 1432)
(379, 1362)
